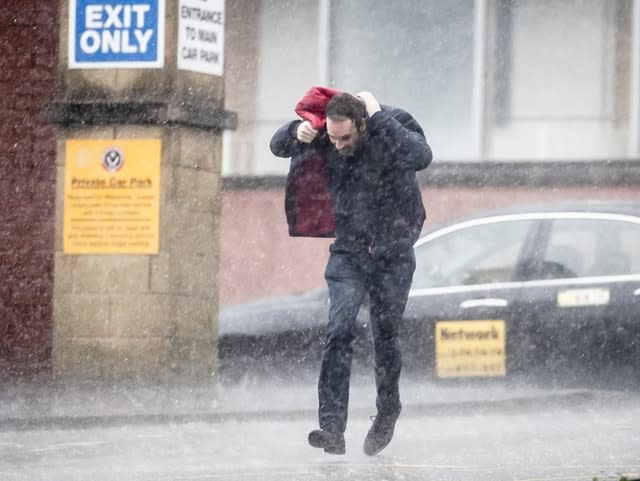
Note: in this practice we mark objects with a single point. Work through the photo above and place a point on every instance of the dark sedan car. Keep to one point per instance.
(551, 288)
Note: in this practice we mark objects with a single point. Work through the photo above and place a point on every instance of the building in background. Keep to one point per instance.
(522, 100)
(490, 80)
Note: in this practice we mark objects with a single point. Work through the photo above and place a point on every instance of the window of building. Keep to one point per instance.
(561, 80)
(414, 54)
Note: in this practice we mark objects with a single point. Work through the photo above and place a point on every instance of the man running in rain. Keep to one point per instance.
(370, 154)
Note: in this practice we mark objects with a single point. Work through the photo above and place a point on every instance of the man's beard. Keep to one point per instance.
(353, 149)
(348, 151)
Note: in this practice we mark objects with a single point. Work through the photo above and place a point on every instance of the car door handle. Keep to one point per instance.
(486, 302)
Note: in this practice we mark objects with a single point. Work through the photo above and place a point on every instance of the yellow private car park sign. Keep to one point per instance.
(470, 348)
(112, 196)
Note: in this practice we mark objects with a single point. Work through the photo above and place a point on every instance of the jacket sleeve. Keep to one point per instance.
(284, 143)
(409, 145)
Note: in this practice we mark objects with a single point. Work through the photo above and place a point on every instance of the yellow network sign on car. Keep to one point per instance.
(112, 196)
(470, 348)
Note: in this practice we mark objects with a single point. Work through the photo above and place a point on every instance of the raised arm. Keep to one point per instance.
(289, 138)
(410, 147)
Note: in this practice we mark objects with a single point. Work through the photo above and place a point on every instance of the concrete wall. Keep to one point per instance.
(144, 315)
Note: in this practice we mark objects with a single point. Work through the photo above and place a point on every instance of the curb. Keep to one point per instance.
(67, 422)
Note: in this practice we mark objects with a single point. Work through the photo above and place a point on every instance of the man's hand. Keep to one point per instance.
(306, 133)
(370, 102)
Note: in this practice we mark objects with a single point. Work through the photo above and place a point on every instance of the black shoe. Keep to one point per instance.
(380, 433)
(332, 443)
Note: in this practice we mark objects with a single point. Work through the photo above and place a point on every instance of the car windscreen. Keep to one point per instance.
(478, 254)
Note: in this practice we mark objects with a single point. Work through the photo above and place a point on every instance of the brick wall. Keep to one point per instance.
(28, 59)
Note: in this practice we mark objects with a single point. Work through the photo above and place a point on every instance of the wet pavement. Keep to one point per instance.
(256, 430)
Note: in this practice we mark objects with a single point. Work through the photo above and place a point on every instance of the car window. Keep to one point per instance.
(591, 247)
(479, 254)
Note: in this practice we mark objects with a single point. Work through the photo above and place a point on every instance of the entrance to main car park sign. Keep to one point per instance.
(116, 33)
(201, 36)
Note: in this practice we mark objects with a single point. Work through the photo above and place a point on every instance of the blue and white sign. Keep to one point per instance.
(116, 33)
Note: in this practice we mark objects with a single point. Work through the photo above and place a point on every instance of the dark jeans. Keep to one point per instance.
(387, 280)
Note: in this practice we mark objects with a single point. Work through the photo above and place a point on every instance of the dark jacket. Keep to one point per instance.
(368, 201)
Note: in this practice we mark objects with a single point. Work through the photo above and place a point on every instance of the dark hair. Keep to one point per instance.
(346, 105)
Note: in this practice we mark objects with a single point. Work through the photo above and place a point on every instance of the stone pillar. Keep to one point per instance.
(152, 313)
